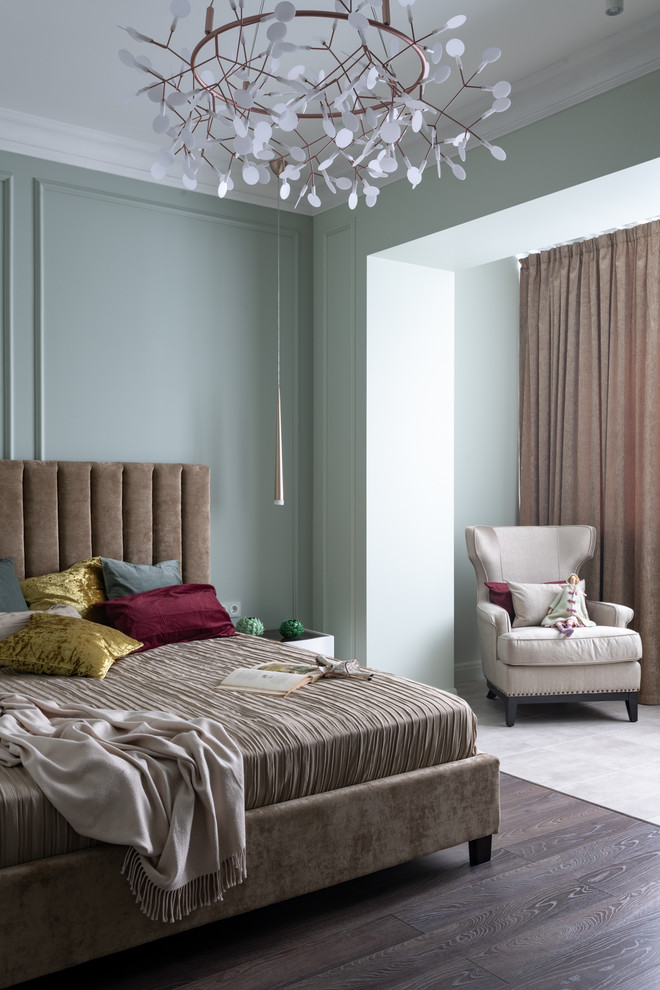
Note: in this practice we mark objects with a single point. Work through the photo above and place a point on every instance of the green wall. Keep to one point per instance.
(139, 323)
(606, 134)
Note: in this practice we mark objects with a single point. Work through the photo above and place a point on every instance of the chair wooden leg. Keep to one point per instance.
(480, 850)
(510, 705)
(631, 705)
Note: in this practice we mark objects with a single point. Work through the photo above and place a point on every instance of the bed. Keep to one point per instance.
(371, 795)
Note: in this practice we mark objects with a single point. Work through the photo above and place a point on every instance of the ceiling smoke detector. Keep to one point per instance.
(612, 9)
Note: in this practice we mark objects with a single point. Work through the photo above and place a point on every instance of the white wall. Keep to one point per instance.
(486, 430)
(410, 471)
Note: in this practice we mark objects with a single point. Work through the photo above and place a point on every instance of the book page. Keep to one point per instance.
(294, 667)
(266, 681)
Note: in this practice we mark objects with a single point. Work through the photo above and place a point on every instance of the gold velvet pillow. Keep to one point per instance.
(80, 585)
(58, 644)
(13, 622)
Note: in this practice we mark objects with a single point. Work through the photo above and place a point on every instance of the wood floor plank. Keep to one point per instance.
(600, 960)
(569, 901)
(580, 868)
(475, 925)
(547, 824)
(648, 980)
(638, 858)
(418, 964)
(307, 957)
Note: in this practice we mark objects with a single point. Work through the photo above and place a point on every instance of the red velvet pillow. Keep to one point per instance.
(499, 594)
(178, 613)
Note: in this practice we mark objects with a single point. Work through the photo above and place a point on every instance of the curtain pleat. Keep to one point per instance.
(590, 413)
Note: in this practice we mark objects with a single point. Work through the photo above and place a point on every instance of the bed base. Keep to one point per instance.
(68, 909)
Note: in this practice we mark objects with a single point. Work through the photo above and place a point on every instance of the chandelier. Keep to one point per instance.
(321, 100)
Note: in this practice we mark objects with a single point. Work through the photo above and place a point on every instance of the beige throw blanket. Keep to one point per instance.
(170, 789)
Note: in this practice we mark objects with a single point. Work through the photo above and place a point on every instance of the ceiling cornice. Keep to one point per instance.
(622, 58)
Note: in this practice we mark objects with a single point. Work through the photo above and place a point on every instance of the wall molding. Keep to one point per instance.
(295, 445)
(41, 187)
(7, 313)
(347, 229)
(41, 190)
(39, 370)
(69, 144)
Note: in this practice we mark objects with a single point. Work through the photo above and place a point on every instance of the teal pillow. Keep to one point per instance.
(11, 596)
(122, 578)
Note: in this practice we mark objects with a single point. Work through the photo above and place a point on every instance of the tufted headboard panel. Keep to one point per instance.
(55, 513)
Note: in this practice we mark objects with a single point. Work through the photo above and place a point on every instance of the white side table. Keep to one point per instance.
(315, 642)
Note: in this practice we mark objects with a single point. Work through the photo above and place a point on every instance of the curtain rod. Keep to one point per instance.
(590, 237)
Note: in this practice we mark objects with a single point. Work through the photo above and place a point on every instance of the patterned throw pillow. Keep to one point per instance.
(58, 644)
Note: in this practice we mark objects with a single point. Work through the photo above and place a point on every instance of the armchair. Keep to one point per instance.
(523, 661)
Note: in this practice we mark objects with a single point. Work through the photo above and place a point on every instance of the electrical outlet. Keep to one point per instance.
(234, 609)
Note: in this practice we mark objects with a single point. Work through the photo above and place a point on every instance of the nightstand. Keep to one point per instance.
(315, 642)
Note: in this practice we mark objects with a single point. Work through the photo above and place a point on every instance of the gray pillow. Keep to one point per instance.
(11, 596)
(532, 601)
(122, 578)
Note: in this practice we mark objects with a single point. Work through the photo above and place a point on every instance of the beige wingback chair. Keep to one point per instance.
(529, 662)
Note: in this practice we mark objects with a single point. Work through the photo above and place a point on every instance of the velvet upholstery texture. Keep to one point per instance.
(80, 585)
(61, 645)
(55, 513)
(13, 622)
(374, 826)
(176, 614)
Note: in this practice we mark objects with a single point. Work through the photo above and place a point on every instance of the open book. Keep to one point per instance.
(276, 678)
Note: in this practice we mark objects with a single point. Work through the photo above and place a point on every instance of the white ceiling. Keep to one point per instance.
(625, 198)
(62, 86)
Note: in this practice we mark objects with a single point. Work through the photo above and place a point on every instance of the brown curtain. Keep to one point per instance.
(590, 413)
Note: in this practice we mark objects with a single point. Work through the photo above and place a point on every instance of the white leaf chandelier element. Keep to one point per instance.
(372, 101)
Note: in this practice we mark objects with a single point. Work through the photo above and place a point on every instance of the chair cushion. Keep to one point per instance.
(539, 646)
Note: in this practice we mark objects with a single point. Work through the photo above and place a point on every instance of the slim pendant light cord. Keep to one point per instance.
(278, 296)
(278, 497)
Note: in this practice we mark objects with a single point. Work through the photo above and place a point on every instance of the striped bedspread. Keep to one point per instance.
(330, 734)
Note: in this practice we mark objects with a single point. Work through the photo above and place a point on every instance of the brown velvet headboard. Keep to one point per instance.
(55, 513)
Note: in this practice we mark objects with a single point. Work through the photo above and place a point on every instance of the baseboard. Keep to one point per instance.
(469, 670)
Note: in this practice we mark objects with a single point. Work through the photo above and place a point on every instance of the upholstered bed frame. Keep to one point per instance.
(67, 909)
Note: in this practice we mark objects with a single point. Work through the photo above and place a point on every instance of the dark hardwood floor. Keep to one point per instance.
(569, 901)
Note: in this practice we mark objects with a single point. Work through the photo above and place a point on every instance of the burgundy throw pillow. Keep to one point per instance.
(499, 594)
(176, 614)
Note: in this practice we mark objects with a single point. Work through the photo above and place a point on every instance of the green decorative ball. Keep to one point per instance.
(250, 625)
(291, 629)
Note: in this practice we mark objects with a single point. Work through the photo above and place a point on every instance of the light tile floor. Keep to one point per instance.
(590, 750)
